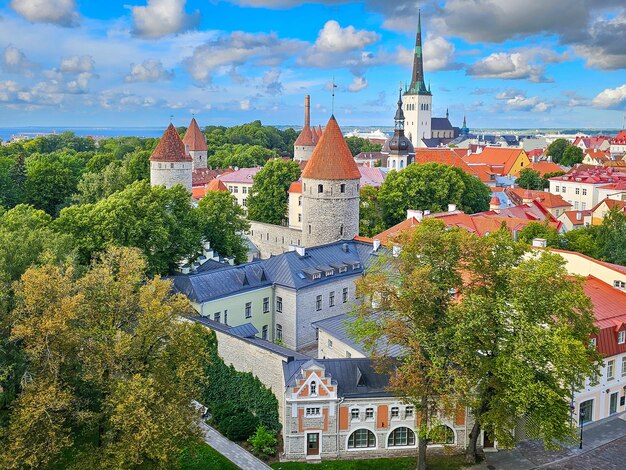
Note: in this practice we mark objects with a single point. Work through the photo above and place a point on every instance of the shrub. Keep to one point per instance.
(239, 427)
(263, 441)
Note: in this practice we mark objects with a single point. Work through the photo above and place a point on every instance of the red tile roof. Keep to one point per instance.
(547, 200)
(216, 185)
(573, 217)
(295, 187)
(170, 148)
(242, 176)
(546, 167)
(198, 192)
(315, 135)
(610, 204)
(620, 138)
(202, 176)
(331, 159)
(497, 157)
(305, 138)
(449, 157)
(609, 310)
(194, 138)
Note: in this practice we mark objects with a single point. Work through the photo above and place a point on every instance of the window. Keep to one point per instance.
(244, 190)
(320, 188)
(226, 317)
(264, 332)
(356, 265)
(584, 191)
(266, 304)
(619, 284)
(621, 337)
(235, 189)
(230, 188)
(171, 165)
(343, 187)
(330, 343)
(563, 189)
(343, 269)
(344, 295)
(361, 439)
(313, 388)
(576, 205)
(442, 435)
(408, 412)
(299, 217)
(279, 304)
(248, 309)
(624, 366)
(216, 316)
(331, 300)
(279, 332)
(395, 411)
(312, 412)
(300, 201)
(401, 437)
(348, 355)
(329, 273)
(592, 343)
(309, 229)
(577, 191)
(244, 202)
(585, 413)
(583, 206)
(556, 189)
(369, 413)
(341, 230)
(610, 369)
(318, 303)
(317, 275)
(354, 413)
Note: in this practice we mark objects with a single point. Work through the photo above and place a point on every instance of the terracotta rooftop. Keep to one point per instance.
(495, 201)
(305, 138)
(610, 204)
(545, 167)
(449, 157)
(202, 176)
(495, 157)
(216, 185)
(609, 310)
(295, 187)
(548, 200)
(331, 159)
(170, 148)
(194, 139)
(573, 217)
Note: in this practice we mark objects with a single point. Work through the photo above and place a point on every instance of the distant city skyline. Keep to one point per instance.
(504, 64)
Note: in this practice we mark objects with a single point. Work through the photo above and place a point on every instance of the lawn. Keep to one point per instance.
(435, 462)
(204, 457)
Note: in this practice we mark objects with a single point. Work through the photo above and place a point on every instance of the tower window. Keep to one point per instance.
(343, 187)
(309, 229)
(341, 230)
(320, 188)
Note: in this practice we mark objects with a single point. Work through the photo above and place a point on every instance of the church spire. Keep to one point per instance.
(417, 81)
(399, 119)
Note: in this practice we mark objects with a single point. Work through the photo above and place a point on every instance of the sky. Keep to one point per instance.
(141, 63)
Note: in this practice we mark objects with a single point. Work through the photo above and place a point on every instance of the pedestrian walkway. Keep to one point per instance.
(600, 439)
(233, 452)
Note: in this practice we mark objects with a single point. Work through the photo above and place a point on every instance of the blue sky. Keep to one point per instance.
(503, 63)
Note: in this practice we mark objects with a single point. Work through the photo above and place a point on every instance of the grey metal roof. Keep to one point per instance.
(247, 330)
(353, 377)
(210, 265)
(337, 327)
(440, 124)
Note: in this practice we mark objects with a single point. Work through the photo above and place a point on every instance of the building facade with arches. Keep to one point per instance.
(341, 408)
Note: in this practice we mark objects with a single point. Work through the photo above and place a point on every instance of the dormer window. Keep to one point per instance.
(343, 269)
(619, 284)
(621, 337)
(356, 265)
(592, 343)
(313, 389)
(330, 273)
(317, 276)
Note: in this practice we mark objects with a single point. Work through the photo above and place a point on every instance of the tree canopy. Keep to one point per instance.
(557, 148)
(531, 179)
(268, 197)
(359, 144)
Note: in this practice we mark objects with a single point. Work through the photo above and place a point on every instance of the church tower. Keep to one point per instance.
(418, 100)
(330, 191)
(398, 148)
(195, 145)
(170, 164)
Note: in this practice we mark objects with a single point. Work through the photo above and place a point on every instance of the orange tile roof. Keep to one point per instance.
(610, 204)
(406, 224)
(546, 167)
(315, 135)
(495, 156)
(305, 138)
(198, 192)
(216, 184)
(609, 310)
(295, 187)
(194, 138)
(170, 148)
(573, 217)
(547, 200)
(332, 159)
(448, 157)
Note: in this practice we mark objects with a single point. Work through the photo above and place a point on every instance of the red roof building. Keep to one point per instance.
(194, 139)
(170, 148)
(450, 157)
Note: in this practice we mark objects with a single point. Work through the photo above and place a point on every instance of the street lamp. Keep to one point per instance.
(582, 422)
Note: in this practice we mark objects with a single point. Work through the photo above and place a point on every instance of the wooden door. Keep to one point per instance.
(313, 444)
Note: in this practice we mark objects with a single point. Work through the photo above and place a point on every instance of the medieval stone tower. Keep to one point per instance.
(305, 143)
(330, 191)
(170, 164)
(418, 100)
(195, 145)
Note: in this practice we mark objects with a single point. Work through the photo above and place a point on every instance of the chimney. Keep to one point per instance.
(300, 250)
(230, 260)
(184, 270)
(540, 242)
(345, 247)
(376, 245)
(396, 250)
(451, 207)
(414, 214)
(307, 111)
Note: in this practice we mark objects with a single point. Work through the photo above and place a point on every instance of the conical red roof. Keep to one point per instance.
(494, 201)
(316, 136)
(194, 138)
(216, 184)
(332, 159)
(305, 138)
(170, 148)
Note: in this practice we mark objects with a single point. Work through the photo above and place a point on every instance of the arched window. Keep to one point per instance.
(320, 188)
(441, 434)
(401, 437)
(362, 439)
(313, 388)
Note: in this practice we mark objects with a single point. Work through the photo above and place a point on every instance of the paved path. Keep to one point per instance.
(236, 454)
(604, 444)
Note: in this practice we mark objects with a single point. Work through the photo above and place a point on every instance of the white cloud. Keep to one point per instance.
(77, 64)
(334, 38)
(162, 17)
(522, 103)
(271, 82)
(358, 84)
(603, 47)
(244, 105)
(611, 98)
(59, 12)
(150, 70)
(525, 64)
(15, 61)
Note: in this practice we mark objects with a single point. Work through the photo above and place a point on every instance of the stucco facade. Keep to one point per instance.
(418, 118)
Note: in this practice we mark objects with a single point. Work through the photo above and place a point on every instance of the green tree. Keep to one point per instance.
(268, 196)
(611, 237)
(521, 341)
(572, 156)
(557, 148)
(222, 222)
(582, 240)
(159, 221)
(540, 230)
(358, 145)
(95, 186)
(413, 291)
(531, 179)
(113, 370)
(476, 194)
(371, 221)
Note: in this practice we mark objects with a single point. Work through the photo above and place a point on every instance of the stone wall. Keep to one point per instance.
(170, 174)
(329, 215)
(199, 158)
(302, 153)
(273, 239)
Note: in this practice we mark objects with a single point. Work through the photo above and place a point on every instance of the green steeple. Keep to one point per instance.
(418, 87)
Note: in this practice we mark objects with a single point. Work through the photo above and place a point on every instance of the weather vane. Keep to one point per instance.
(171, 118)
(333, 100)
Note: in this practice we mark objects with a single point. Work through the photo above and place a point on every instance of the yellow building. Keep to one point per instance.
(502, 161)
